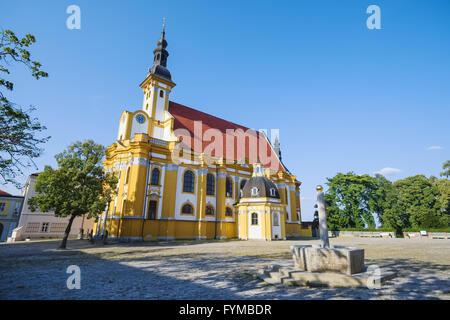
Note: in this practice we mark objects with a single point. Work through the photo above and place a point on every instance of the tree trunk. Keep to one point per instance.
(67, 232)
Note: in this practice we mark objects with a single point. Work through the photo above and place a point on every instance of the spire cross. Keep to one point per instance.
(164, 23)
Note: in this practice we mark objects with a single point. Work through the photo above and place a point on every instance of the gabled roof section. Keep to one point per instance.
(5, 194)
(185, 117)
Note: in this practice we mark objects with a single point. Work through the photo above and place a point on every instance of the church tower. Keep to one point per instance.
(156, 88)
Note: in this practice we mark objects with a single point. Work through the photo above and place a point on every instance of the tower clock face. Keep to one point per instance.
(140, 118)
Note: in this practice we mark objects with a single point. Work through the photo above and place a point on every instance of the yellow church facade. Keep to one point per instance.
(183, 174)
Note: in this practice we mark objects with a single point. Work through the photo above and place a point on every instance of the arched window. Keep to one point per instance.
(228, 212)
(210, 184)
(254, 218)
(209, 211)
(155, 177)
(188, 181)
(151, 214)
(229, 187)
(187, 209)
(276, 219)
(161, 93)
(255, 191)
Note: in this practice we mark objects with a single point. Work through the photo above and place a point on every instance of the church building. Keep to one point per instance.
(185, 174)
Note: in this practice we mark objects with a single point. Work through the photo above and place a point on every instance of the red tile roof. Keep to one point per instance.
(5, 194)
(185, 118)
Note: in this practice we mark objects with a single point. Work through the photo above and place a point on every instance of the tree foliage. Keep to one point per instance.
(351, 201)
(417, 203)
(414, 202)
(78, 186)
(19, 144)
(446, 168)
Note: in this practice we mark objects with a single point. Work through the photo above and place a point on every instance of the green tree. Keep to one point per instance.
(351, 201)
(78, 186)
(385, 197)
(443, 187)
(19, 143)
(446, 168)
(417, 203)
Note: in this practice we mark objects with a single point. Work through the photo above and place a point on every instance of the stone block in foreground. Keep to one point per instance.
(339, 259)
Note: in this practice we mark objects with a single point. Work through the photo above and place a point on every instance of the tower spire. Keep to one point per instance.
(159, 67)
(276, 147)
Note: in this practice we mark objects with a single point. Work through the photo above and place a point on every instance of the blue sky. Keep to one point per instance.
(345, 98)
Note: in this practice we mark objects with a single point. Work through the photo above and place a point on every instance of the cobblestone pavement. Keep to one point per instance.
(209, 270)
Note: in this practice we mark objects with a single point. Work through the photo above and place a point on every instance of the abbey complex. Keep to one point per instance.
(185, 174)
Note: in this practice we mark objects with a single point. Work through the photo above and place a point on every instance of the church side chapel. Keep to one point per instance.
(169, 189)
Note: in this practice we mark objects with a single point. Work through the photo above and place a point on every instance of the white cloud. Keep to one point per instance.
(389, 171)
(435, 148)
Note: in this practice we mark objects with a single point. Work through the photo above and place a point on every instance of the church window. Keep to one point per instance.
(228, 212)
(187, 209)
(276, 219)
(161, 93)
(209, 211)
(151, 214)
(155, 177)
(229, 187)
(210, 184)
(2, 206)
(254, 218)
(272, 192)
(188, 181)
(255, 191)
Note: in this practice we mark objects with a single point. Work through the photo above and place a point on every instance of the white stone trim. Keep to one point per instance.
(139, 161)
(158, 155)
(222, 174)
(171, 167)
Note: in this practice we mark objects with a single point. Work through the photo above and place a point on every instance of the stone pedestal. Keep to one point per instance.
(339, 259)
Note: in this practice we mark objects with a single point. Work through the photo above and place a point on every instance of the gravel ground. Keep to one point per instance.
(209, 270)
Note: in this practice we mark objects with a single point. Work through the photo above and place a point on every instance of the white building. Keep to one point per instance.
(37, 225)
